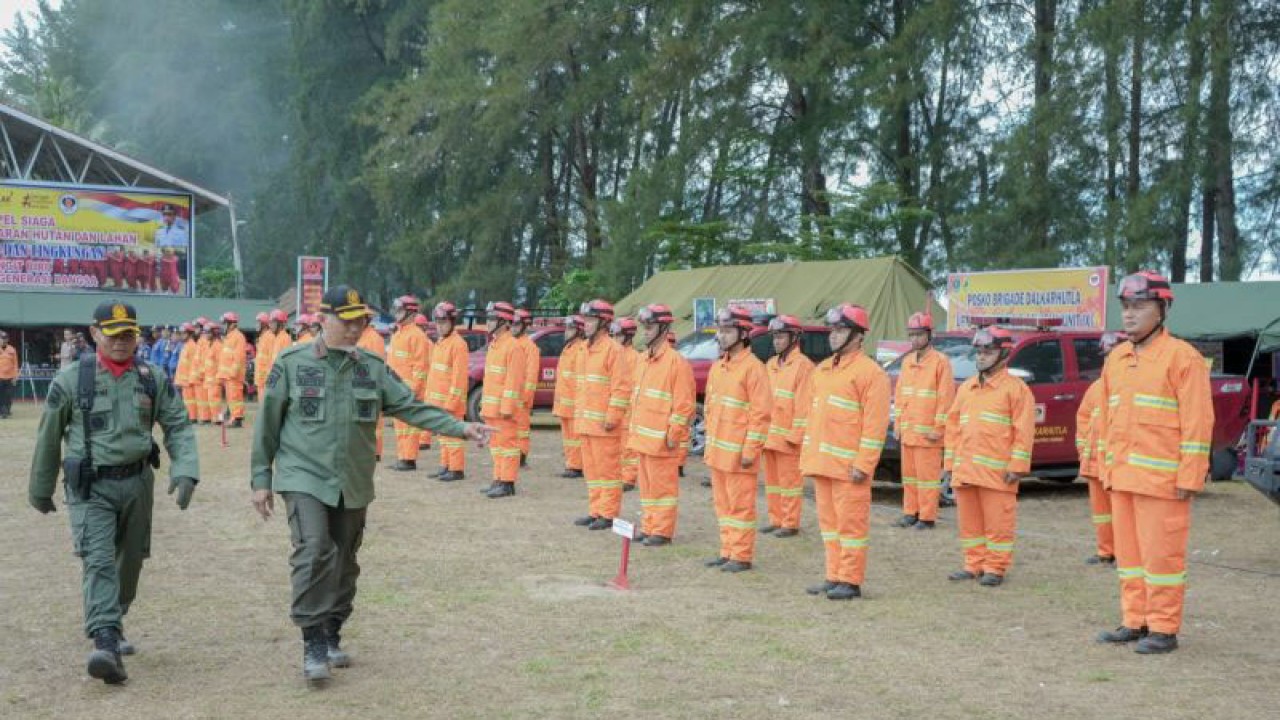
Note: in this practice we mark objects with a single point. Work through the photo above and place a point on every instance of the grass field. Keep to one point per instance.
(476, 608)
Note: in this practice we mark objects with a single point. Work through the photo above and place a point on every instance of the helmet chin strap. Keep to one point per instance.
(500, 324)
(848, 339)
(1154, 330)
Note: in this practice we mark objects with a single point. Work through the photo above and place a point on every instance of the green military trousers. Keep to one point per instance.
(111, 532)
(324, 568)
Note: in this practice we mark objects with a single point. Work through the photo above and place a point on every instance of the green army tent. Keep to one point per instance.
(889, 288)
(1221, 311)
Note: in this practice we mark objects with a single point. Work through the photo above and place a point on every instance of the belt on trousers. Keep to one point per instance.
(118, 472)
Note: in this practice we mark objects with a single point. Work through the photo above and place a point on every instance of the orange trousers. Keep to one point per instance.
(453, 451)
(1151, 559)
(213, 401)
(1100, 513)
(504, 450)
(734, 494)
(921, 481)
(630, 467)
(602, 468)
(234, 390)
(192, 400)
(844, 517)
(524, 431)
(572, 445)
(406, 441)
(783, 488)
(659, 480)
(988, 521)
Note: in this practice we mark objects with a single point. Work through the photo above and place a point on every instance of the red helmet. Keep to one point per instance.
(597, 308)
(785, 323)
(1111, 339)
(279, 316)
(230, 317)
(202, 321)
(734, 318)
(445, 311)
(655, 313)
(623, 326)
(500, 311)
(405, 302)
(995, 337)
(188, 327)
(920, 321)
(574, 321)
(1146, 285)
(262, 318)
(524, 316)
(421, 320)
(211, 328)
(850, 316)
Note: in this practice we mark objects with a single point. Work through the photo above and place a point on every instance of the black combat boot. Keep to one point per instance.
(452, 476)
(786, 532)
(735, 566)
(237, 423)
(906, 521)
(925, 525)
(1100, 560)
(844, 591)
(440, 473)
(1156, 644)
(600, 523)
(1122, 634)
(333, 640)
(491, 487)
(315, 654)
(656, 541)
(501, 490)
(716, 561)
(585, 520)
(571, 473)
(959, 575)
(768, 529)
(822, 588)
(104, 662)
(990, 580)
(405, 465)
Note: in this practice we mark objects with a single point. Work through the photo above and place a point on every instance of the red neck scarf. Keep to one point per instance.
(115, 368)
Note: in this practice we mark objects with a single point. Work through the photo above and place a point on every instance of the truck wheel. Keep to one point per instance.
(473, 404)
(1223, 464)
(698, 432)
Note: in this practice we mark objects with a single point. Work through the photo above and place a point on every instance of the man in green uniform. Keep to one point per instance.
(96, 427)
(314, 443)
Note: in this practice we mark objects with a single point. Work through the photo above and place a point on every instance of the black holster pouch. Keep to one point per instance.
(79, 477)
(153, 458)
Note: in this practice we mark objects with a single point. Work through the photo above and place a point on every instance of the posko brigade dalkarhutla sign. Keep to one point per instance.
(1066, 297)
(79, 238)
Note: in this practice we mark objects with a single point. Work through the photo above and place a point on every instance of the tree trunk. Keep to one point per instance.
(1112, 116)
(1219, 139)
(1190, 147)
(1133, 183)
(904, 161)
(1046, 17)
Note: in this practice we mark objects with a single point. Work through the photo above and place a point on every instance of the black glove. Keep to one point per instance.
(186, 487)
(44, 505)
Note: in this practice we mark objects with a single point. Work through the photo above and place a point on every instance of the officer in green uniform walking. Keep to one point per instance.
(314, 443)
(96, 428)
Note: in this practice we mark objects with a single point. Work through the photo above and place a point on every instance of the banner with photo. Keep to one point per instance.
(1074, 298)
(95, 239)
(313, 280)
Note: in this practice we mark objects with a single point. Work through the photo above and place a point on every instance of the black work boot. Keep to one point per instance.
(571, 473)
(1121, 634)
(906, 521)
(333, 641)
(924, 525)
(656, 541)
(628, 488)
(767, 529)
(452, 476)
(237, 423)
(315, 654)
(104, 662)
(990, 580)
(405, 465)
(126, 647)
(844, 591)
(716, 561)
(440, 473)
(1100, 560)
(786, 532)
(490, 488)
(735, 566)
(501, 490)
(585, 520)
(1157, 644)
(524, 460)
(959, 575)
(600, 523)
(821, 588)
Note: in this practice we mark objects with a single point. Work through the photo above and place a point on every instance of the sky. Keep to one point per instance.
(10, 8)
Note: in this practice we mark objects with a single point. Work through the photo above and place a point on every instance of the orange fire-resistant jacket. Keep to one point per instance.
(567, 379)
(304, 337)
(283, 342)
(231, 360)
(532, 370)
(738, 406)
(1157, 421)
(924, 393)
(266, 354)
(447, 377)
(604, 389)
(792, 395)
(187, 360)
(990, 430)
(662, 402)
(504, 369)
(410, 352)
(848, 417)
(370, 340)
(1088, 430)
(210, 362)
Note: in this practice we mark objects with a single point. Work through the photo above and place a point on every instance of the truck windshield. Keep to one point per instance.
(699, 346)
(957, 349)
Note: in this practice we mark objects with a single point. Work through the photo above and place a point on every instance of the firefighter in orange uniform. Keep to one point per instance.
(182, 377)
(196, 377)
(264, 350)
(532, 373)
(603, 398)
(848, 421)
(231, 368)
(990, 431)
(662, 407)
(503, 388)
(421, 322)
(737, 410)
(1088, 430)
(279, 322)
(372, 341)
(1157, 430)
(303, 327)
(623, 332)
(565, 395)
(409, 358)
(789, 378)
(925, 391)
(209, 375)
(447, 382)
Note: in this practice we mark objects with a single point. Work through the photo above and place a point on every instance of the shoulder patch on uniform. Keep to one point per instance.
(274, 376)
(56, 396)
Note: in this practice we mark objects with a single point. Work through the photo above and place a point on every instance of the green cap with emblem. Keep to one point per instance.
(114, 317)
(343, 301)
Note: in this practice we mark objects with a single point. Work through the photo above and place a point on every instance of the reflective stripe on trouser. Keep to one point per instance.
(630, 467)
(1151, 559)
(1100, 514)
(323, 564)
(406, 440)
(659, 481)
(213, 400)
(572, 444)
(504, 450)
(921, 481)
(988, 521)
(524, 425)
(191, 397)
(111, 534)
(602, 467)
(234, 391)
(844, 517)
(735, 501)
(783, 488)
(453, 451)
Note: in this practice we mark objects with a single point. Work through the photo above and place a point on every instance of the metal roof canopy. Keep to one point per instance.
(33, 150)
